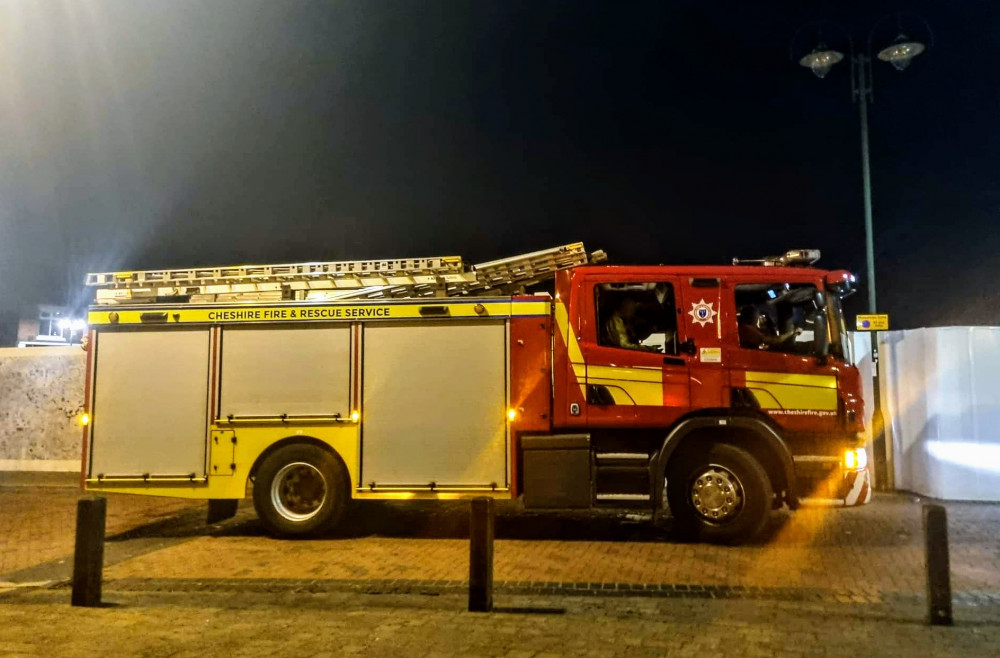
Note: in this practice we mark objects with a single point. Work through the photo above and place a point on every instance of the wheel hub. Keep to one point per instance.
(716, 494)
(298, 491)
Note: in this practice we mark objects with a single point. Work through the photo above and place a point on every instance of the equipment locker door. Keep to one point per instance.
(434, 404)
(150, 404)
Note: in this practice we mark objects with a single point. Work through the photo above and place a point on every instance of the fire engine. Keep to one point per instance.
(709, 394)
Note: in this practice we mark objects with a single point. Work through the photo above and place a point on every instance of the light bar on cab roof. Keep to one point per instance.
(793, 258)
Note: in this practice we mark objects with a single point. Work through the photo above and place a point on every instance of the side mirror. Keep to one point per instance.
(687, 347)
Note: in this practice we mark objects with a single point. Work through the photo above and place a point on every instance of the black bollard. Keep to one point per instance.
(938, 568)
(481, 555)
(88, 559)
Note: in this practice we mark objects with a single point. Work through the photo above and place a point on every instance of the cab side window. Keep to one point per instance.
(637, 316)
(779, 317)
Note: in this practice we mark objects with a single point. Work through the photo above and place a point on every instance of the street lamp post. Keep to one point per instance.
(820, 60)
(861, 66)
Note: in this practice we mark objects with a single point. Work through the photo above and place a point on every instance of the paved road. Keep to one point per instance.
(871, 552)
(40, 623)
(391, 582)
(37, 523)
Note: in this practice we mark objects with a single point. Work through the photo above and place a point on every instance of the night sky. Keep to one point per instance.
(142, 134)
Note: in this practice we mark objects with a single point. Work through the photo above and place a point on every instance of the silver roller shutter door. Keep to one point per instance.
(288, 370)
(150, 403)
(435, 404)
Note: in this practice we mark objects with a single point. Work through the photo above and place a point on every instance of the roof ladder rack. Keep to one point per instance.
(339, 280)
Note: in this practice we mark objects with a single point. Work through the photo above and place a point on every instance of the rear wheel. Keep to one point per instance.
(300, 490)
(720, 495)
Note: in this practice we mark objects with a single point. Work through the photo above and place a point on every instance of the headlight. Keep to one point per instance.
(856, 460)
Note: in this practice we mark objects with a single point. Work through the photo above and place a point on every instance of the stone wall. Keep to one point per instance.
(41, 394)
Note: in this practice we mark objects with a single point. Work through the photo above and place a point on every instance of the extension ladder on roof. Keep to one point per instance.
(339, 280)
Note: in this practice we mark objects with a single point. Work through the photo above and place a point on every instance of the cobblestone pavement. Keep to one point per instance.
(871, 552)
(38, 524)
(867, 553)
(40, 622)
(391, 581)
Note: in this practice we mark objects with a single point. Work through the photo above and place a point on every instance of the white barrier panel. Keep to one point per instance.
(942, 403)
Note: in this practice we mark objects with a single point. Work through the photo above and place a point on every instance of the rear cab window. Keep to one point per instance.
(637, 316)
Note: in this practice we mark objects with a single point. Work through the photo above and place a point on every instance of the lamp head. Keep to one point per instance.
(821, 60)
(901, 52)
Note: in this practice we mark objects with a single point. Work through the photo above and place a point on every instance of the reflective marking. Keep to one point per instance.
(624, 373)
(825, 502)
(819, 381)
(622, 496)
(310, 312)
(572, 346)
(775, 390)
(639, 393)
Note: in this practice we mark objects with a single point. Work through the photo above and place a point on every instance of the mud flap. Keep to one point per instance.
(220, 510)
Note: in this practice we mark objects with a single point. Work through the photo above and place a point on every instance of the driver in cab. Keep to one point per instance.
(620, 327)
(757, 333)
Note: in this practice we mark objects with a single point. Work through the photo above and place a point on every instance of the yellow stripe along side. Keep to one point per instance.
(238, 314)
(226, 483)
(775, 390)
(641, 386)
(243, 454)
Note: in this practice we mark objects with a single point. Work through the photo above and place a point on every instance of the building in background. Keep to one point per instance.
(44, 325)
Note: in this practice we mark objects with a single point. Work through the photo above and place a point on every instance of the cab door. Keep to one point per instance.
(772, 352)
(641, 380)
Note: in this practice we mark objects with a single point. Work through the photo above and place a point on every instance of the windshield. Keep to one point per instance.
(840, 341)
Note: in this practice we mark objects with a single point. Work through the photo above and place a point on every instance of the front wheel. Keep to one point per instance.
(720, 495)
(300, 490)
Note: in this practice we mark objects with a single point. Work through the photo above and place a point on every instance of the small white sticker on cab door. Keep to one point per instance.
(710, 355)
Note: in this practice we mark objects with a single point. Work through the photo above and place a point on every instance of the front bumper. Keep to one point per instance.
(828, 483)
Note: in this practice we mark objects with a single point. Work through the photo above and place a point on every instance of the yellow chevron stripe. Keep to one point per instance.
(641, 393)
(562, 322)
(820, 381)
(572, 346)
(626, 374)
(620, 396)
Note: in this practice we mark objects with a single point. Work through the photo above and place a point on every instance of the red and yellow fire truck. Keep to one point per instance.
(713, 394)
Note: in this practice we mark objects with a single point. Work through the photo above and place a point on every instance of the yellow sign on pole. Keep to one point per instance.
(875, 322)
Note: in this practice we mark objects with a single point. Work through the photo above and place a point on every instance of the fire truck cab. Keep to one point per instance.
(709, 394)
(737, 394)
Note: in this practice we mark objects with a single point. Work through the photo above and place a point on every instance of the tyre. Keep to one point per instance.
(720, 495)
(300, 490)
